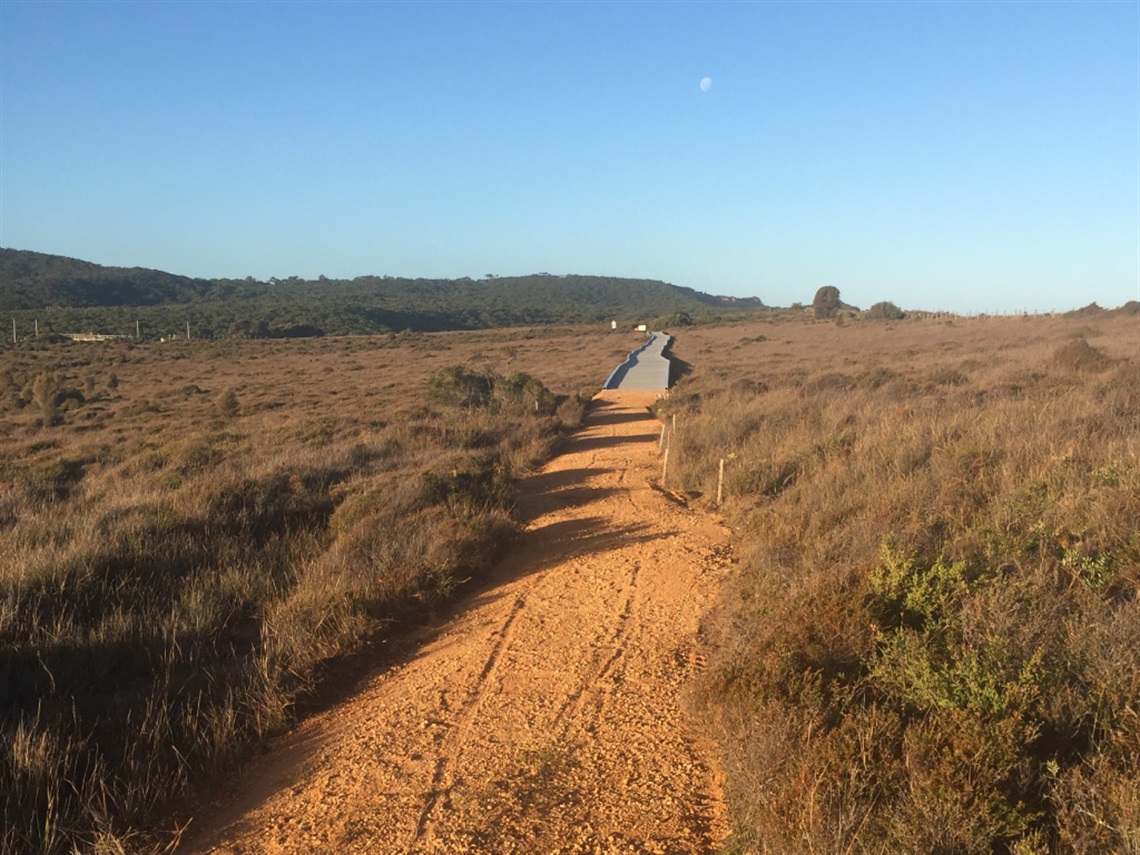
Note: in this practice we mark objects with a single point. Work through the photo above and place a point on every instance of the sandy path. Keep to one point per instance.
(546, 714)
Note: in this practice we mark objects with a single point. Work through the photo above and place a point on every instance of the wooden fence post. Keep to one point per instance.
(664, 468)
(661, 444)
(720, 483)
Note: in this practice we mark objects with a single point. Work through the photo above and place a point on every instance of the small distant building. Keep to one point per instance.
(613, 325)
(642, 328)
(90, 336)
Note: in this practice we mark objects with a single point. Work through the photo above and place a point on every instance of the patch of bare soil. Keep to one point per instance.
(546, 714)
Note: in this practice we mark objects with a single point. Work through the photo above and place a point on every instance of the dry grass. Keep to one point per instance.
(188, 531)
(934, 641)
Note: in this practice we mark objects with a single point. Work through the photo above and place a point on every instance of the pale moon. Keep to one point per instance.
(706, 84)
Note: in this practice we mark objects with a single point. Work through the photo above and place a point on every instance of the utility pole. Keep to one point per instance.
(37, 323)
(137, 336)
(13, 330)
(188, 331)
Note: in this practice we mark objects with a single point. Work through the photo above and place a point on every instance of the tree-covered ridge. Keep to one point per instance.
(35, 280)
(75, 295)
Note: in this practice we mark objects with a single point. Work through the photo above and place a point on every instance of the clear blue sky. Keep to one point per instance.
(959, 155)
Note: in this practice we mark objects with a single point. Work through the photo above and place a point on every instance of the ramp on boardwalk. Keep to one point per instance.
(646, 369)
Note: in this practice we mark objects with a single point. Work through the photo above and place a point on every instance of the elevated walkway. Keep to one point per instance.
(648, 368)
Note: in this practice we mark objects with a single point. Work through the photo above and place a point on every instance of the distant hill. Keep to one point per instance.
(79, 295)
(34, 280)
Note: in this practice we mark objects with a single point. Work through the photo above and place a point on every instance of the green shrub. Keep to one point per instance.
(904, 594)
(885, 311)
(457, 387)
(826, 303)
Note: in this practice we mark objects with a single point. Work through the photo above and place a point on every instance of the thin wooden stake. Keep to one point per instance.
(664, 467)
(661, 444)
(720, 483)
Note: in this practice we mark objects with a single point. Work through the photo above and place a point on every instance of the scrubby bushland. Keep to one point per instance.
(933, 644)
(673, 321)
(183, 552)
(69, 295)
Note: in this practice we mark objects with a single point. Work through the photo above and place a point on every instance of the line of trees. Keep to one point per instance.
(67, 295)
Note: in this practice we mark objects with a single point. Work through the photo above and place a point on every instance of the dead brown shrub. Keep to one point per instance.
(1079, 355)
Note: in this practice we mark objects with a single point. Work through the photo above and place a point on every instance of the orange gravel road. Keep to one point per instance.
(546, 714)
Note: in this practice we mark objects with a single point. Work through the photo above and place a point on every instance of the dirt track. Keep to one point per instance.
(546, 714)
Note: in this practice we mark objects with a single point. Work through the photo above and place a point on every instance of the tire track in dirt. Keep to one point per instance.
(546, 713)
(441, 787)
(593, 677)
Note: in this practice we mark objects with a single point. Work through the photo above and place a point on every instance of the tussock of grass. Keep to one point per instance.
(1079, 355)
(934, 641)
(184, 549)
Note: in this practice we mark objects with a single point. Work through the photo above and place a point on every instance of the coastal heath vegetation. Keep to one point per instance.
(933, 640)
(191, 532)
